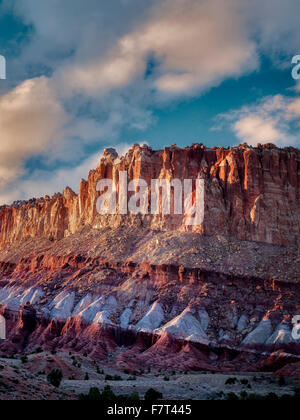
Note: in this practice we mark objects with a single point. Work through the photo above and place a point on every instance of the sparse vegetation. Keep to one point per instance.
(113, 378)
(24, 359)
(107, 395)
(231, 381)
(153, 395)
(244, 396)
(244, 382)
(55, 377)
(281, 381)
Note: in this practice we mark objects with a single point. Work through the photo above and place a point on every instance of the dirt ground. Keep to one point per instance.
(19, 380)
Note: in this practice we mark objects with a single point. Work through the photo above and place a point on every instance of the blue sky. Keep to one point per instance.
(82, 75)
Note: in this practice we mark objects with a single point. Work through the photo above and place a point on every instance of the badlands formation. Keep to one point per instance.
(148, 290)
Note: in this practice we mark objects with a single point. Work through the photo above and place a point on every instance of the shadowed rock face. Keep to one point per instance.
(148, 290)
(250, 194)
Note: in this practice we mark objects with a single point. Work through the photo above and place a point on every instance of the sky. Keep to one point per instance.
(82, 75)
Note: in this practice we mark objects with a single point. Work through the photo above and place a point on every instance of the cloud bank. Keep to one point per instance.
(83, 74)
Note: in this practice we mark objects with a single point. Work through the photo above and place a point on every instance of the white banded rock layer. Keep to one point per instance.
(192, 324)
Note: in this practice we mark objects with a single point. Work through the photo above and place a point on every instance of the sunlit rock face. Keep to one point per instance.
(149, 290)
(250, 193)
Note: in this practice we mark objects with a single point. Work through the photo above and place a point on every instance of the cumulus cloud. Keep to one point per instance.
(276, 27)
(30, 121)
(96, 58)
(35, 123)
(176, 35)
(273, 120)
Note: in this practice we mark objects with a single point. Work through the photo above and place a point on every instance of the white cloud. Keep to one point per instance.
(273, 120)
(276, 27)
(293, 109)
(177, 35)
(97, 56)
(42, 182)
(255, 129)
(49, 182)
(35, 123)
(30, 119)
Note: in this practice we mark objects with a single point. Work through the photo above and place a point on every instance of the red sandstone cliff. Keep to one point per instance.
(251, 194)
(150, 291)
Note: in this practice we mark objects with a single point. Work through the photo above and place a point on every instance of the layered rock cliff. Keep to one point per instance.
(148, 289)
(250, 194)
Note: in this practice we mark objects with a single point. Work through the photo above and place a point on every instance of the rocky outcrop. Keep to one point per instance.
(250, 194)
(135, 315)
(150, 290)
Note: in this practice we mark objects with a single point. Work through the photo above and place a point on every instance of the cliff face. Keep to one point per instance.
(136, 315)
(250, 194)
(149, 288)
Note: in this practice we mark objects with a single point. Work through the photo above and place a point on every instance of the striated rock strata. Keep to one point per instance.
(149, 290)
(250, 194)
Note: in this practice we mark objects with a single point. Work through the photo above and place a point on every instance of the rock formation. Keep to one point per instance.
(250, 194)
(133, 290)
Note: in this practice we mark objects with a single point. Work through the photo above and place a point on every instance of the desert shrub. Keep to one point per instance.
(231, 381)
(93, 395)
(134, 397)
(24, 359)
(244, 382)
(107, 395)
(231, 396)
(55, 377)
(243, 395)
(281, 381)
(153, 395)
